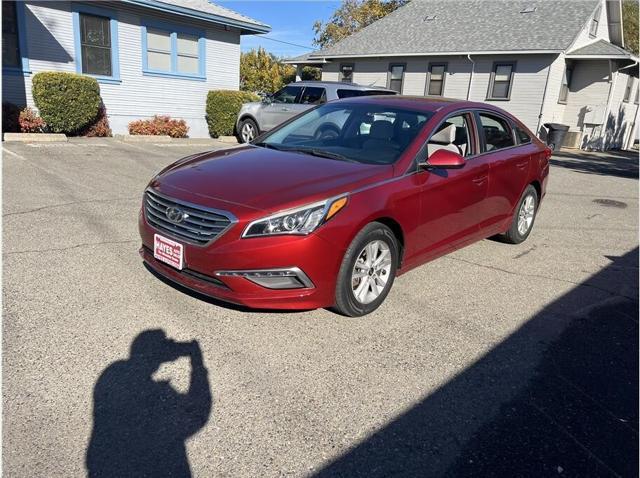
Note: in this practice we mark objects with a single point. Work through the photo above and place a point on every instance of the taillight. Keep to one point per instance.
(547, 153)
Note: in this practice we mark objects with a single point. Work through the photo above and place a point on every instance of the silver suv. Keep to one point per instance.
(256, 118)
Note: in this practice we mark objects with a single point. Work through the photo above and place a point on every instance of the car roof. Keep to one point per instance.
(421, 103)
(349, 86)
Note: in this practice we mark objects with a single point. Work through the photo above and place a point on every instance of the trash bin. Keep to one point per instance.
(555, 135)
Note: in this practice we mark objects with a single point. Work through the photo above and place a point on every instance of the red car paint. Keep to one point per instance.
(430, 212)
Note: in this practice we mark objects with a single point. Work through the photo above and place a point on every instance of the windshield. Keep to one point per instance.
(357, 132)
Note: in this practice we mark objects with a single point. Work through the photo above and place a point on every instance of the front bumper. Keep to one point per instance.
(217, 270)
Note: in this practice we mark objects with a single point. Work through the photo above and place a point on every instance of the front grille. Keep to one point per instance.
(199, 226)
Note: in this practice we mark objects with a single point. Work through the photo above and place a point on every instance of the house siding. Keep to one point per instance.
(587, 101)
(621, 116)
(51, 48)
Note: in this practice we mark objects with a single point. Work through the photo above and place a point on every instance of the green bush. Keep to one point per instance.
(222, 109)
(67, 102)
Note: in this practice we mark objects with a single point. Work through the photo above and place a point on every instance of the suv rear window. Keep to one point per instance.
(353, 93)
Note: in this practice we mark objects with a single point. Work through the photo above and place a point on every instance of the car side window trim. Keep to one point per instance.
(481, 136)
(422, 152)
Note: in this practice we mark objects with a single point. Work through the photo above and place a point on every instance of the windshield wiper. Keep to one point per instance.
(324, 154)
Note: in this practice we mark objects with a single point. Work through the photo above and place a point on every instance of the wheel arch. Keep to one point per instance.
(244, 117)
(538, 187)
(396, 228)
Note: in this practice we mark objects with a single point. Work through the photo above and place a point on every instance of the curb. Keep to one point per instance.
(228, 139)
(36, 137)
(142, 138)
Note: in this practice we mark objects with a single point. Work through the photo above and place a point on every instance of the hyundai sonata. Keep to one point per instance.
(296, 220)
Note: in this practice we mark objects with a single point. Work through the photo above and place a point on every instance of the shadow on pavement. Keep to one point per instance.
(558, 397)
(140, 425)
(623, 164)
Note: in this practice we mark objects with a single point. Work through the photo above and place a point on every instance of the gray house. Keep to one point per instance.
(149, 56)
(546, 61)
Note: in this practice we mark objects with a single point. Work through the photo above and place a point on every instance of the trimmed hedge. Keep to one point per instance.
(223, 107)
(67, 102)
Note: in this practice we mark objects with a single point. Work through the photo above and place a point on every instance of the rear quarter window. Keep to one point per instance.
(523, 136)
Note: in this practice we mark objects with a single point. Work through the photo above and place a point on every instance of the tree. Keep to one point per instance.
(630, 13)
(351, 16)
(261, 71)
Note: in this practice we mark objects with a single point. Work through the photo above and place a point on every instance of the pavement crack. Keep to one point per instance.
(76, 246)
(52, 206)
(538, 276)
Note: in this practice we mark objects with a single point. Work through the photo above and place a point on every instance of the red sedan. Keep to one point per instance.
(327, 209)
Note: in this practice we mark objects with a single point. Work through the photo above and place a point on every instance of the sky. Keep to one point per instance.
(291, 21)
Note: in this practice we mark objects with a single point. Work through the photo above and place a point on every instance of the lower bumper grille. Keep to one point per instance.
(185, 221)
(190, 273)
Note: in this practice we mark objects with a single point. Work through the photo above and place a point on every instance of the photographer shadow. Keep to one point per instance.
(140, 425)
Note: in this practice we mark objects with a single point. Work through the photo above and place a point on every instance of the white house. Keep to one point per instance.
(149, 56)
(546, 61)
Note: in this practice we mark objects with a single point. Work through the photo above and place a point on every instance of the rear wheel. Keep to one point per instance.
(247, 130)
(524, 217)
(367, 271)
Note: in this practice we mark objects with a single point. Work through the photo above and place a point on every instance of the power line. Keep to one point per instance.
(285, 42)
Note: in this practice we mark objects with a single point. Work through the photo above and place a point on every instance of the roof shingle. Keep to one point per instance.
(465, 26)
(601, 47)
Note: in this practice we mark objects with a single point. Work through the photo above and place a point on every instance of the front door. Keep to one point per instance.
(453, 200)
(284, 104)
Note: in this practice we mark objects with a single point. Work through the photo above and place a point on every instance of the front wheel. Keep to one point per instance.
(523, 218)
(367, 272)
(247, 130)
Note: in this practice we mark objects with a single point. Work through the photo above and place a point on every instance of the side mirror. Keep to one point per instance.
(266, 99)
(444, 159)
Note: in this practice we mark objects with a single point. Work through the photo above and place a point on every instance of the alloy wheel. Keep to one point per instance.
(248, 132)
(526, 214)
(371, 272)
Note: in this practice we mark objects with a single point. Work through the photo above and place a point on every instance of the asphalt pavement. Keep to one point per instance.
(497, 360)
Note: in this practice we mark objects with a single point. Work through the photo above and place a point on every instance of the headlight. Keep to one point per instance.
(302, 220)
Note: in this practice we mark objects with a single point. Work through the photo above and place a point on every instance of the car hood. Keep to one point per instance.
(266, 179)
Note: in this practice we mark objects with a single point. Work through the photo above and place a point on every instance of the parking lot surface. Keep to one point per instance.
(496, 360)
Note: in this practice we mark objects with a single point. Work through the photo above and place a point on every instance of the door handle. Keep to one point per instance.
(522, 164)
(479, 180)
(285, 109)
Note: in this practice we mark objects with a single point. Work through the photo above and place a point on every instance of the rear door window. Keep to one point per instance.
(313, 95)
(497, 132)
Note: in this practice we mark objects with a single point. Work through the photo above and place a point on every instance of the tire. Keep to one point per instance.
(247, 131)
(364, 300)
(527, 208)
